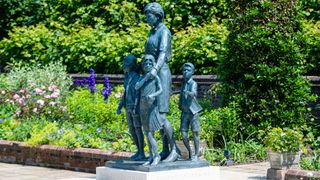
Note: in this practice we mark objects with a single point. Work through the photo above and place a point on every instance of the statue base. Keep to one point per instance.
(202, 173)
(162, 166)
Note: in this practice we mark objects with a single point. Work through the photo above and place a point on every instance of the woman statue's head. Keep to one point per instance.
(154, 13)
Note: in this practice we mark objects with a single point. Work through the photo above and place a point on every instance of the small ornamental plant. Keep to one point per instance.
(283, 140)
(39, 101)
(90, 83)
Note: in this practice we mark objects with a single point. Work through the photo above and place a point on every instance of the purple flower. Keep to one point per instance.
(92, 81)
(50, 136)
(79, 82)
(98, 130)
(108, 129)
(0, 120)
(106, 91)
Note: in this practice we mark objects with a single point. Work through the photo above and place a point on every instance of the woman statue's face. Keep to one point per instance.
(151, 19)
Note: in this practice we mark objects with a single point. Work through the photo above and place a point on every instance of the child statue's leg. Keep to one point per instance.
(196, 140)
(154, 147)
(140, 139)
(186, 142)
(132, 131)
(150, 149)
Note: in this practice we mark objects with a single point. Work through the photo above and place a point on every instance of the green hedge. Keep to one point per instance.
(85, 47)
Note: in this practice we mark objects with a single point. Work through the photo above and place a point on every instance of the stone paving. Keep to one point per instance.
(20, 172)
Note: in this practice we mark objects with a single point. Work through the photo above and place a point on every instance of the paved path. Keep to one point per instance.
(20, 172)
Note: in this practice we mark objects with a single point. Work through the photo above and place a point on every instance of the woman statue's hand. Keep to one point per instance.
(153, 72)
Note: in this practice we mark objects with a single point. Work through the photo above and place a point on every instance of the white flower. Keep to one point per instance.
(38, 91)
(118, 95)
(40, 102)
(63, 108)
(47, 96)
(35, 110)
(3, 92)
(52, 103)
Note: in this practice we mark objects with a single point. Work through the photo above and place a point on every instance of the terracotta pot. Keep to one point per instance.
(283, 160)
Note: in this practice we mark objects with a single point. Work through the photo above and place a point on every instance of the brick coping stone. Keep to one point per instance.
(294, 174)
(77, 159)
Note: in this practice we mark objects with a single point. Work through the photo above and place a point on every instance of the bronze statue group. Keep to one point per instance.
(147, 95)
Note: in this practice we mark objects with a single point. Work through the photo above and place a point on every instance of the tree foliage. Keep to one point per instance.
(263, 65)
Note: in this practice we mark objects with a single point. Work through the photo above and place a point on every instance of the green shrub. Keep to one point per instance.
(283, 140)
(311, 46)
(199, 45)
(262, 67)
(79, 48)
(240, 152)
(311, 162)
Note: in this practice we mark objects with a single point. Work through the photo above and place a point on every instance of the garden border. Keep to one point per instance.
(77, 159)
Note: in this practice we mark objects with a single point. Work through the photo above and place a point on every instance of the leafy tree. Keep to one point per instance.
(263, 65)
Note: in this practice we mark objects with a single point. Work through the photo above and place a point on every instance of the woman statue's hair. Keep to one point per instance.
(156, 9)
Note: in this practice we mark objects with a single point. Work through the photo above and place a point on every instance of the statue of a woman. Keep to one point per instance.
(158, 44)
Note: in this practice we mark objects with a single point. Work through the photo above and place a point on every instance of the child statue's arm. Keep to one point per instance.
(159, 87)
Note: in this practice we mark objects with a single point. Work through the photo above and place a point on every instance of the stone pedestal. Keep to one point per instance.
(276, 174)
(203, 173)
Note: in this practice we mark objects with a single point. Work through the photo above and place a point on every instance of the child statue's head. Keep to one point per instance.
(148, 63)
(129, 63)
(187, 70)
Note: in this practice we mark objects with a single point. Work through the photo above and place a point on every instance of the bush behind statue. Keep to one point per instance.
(263, 66)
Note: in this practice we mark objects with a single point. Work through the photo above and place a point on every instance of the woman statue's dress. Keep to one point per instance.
(158, 42)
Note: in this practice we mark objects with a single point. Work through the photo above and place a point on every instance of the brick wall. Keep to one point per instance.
(78, 159)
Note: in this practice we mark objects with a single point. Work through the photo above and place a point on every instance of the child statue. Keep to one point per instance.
(128, 101)
(149, 88)
(189, 110)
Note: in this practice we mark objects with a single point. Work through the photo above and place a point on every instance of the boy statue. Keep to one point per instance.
(189, 110)
(128, 100)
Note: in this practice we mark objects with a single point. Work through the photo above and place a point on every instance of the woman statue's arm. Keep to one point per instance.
(165, 46)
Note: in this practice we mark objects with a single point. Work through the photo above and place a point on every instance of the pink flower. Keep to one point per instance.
(38, 91)
(52, 103)
(40, 102)
(23, 91)
(54, 95)
(16, 96)
(47, 96)
(17, 113)
(52, 87)
(21, 101)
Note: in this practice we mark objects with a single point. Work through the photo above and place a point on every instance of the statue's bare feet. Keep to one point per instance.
(156, 160)
(173, 156)
(146, 163)
(195, 158)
